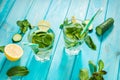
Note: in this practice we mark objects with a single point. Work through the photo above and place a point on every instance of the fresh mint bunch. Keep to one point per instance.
(97, 72)
(24, 25)
(44, 39)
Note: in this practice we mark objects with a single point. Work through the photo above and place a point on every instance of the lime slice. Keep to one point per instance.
(44, 25)
(73, 19)
(86, 22)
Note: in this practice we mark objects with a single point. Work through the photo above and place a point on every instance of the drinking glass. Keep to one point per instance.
(41, 43)
(72, 38)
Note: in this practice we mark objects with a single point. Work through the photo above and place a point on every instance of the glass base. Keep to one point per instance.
(72, 51)
(43, 56)
(41, 59)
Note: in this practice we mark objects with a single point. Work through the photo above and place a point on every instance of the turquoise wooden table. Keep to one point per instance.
(61, 66)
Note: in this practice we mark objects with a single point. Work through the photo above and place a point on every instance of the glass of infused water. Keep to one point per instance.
(41, 39)
(72, 35)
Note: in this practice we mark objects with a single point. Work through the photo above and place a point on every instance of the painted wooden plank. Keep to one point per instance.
(5, 7)
(118, 76)
(37, 16)
(62, 64)
(86, 53)
(38, 11)
(65, 58)
(11, 29)
(24, 60)
(5, 35)
(55, 16)
(110, 49)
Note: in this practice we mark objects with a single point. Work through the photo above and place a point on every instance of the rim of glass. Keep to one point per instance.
(78, 21)
(49, 31)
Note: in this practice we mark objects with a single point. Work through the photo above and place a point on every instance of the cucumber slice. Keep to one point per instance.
(90, 43)
(103, 27)
(86, 22)
(17, 37)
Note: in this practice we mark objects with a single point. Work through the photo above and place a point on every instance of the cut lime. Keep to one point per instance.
(44, 25)
(13, 52)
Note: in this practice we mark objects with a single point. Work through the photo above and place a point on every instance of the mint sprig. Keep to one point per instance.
(64, 23)
(101, 65)
(24, 25)
(97, 71)
(17, 71)
(2, 48)
(84, 74)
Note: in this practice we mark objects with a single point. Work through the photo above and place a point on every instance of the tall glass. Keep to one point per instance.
(72, 38)
(41, 43)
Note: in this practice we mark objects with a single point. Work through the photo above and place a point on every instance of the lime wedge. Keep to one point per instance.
(44, 25)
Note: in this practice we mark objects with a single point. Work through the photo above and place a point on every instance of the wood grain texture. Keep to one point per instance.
(38, 12)
(54, 18)
(110, 49)
(61, 66)
(118, 75)
(62, 71)
(86, 53)
(5, 7)
(9, 28)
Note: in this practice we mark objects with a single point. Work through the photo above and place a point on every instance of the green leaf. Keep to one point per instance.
(93, 67)
(24, 25)
(90, 43)
(82, 36)
(66, 21)
(17, 71)
(84, 75)
(19, 23)
(47, 39)
(25, 22)
(71, 30)
(24, 29)
(102, 72)
(61, 26)
(44, 39)
(100, 65)
(96, 76)
(2, 48)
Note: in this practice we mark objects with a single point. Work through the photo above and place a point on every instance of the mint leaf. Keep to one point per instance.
(84, 75)
(17, 71)
(24, 29)
(19, 23)
(61, 26)
(44, 39)
(100, 65)
(24, 25)
(96, 76)
(66, 21)
(93, 67)
(2, 48)
(102, 72)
